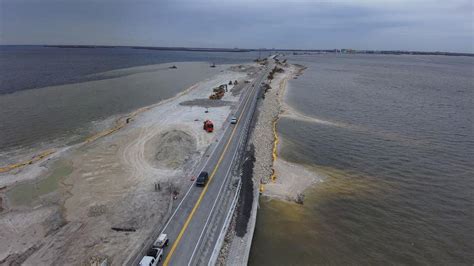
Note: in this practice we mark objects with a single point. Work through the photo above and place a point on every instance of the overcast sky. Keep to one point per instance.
(432, 25)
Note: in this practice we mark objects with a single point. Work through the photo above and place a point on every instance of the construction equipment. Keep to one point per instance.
(208, 126)
(218, 93)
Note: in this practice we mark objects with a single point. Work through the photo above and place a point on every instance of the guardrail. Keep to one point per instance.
(220, 239)
(222, 234)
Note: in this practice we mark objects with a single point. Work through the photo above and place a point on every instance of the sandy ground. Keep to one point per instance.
(112, 183)
(291, 181)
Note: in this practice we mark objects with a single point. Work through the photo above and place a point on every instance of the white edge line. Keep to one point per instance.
(220, 190)
(212, 209)
(190, 187)
(215, 252)
(220, 239)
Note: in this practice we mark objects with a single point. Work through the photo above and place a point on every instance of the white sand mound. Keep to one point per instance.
(291, 182)
(170, 149)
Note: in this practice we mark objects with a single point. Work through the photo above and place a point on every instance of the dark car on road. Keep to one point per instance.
(202, 179)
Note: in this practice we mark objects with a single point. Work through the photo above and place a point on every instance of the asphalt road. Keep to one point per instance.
(195, 225)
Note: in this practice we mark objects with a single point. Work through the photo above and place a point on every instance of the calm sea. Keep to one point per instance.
(46, 100)
(397, 164)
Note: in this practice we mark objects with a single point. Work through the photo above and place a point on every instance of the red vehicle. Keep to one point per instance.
(208, 126)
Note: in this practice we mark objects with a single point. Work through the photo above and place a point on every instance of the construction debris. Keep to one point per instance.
(98, 261)
(124, 229)
(275, 70)
(265, 87)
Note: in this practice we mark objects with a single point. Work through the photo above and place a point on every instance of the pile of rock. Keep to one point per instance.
(262, 136)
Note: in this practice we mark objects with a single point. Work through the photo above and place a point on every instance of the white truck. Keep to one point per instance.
(161, 241)
(155, 254)
(152, 258)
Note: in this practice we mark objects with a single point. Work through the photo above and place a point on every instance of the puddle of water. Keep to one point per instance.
(29, 192)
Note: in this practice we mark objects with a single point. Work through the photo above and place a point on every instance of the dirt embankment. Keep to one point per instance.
(278, 178)
(258, 169)
(263, 136)
(124, 180)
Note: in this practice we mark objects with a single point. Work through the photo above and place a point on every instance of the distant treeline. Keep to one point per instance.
(349, 51)
(194, 49)
(80, 46)
(416, 53)
(294, 51)
(157, 48)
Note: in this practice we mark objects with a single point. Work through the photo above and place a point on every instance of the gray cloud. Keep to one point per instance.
(363, 24)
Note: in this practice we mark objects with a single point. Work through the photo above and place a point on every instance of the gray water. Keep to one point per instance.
(65, 114)
(52, 97)
(33, 66)
(396, 163)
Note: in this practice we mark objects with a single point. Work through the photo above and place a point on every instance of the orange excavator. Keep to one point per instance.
(208, 126)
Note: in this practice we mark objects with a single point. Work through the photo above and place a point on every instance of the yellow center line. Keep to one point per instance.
(201, 196)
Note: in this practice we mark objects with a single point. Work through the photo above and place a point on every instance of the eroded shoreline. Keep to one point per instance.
(276, 177)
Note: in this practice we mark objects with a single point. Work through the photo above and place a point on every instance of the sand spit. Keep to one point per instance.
(289, 112)
(122, 84)
(111, 181)
(112, 92)
(291, 181)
